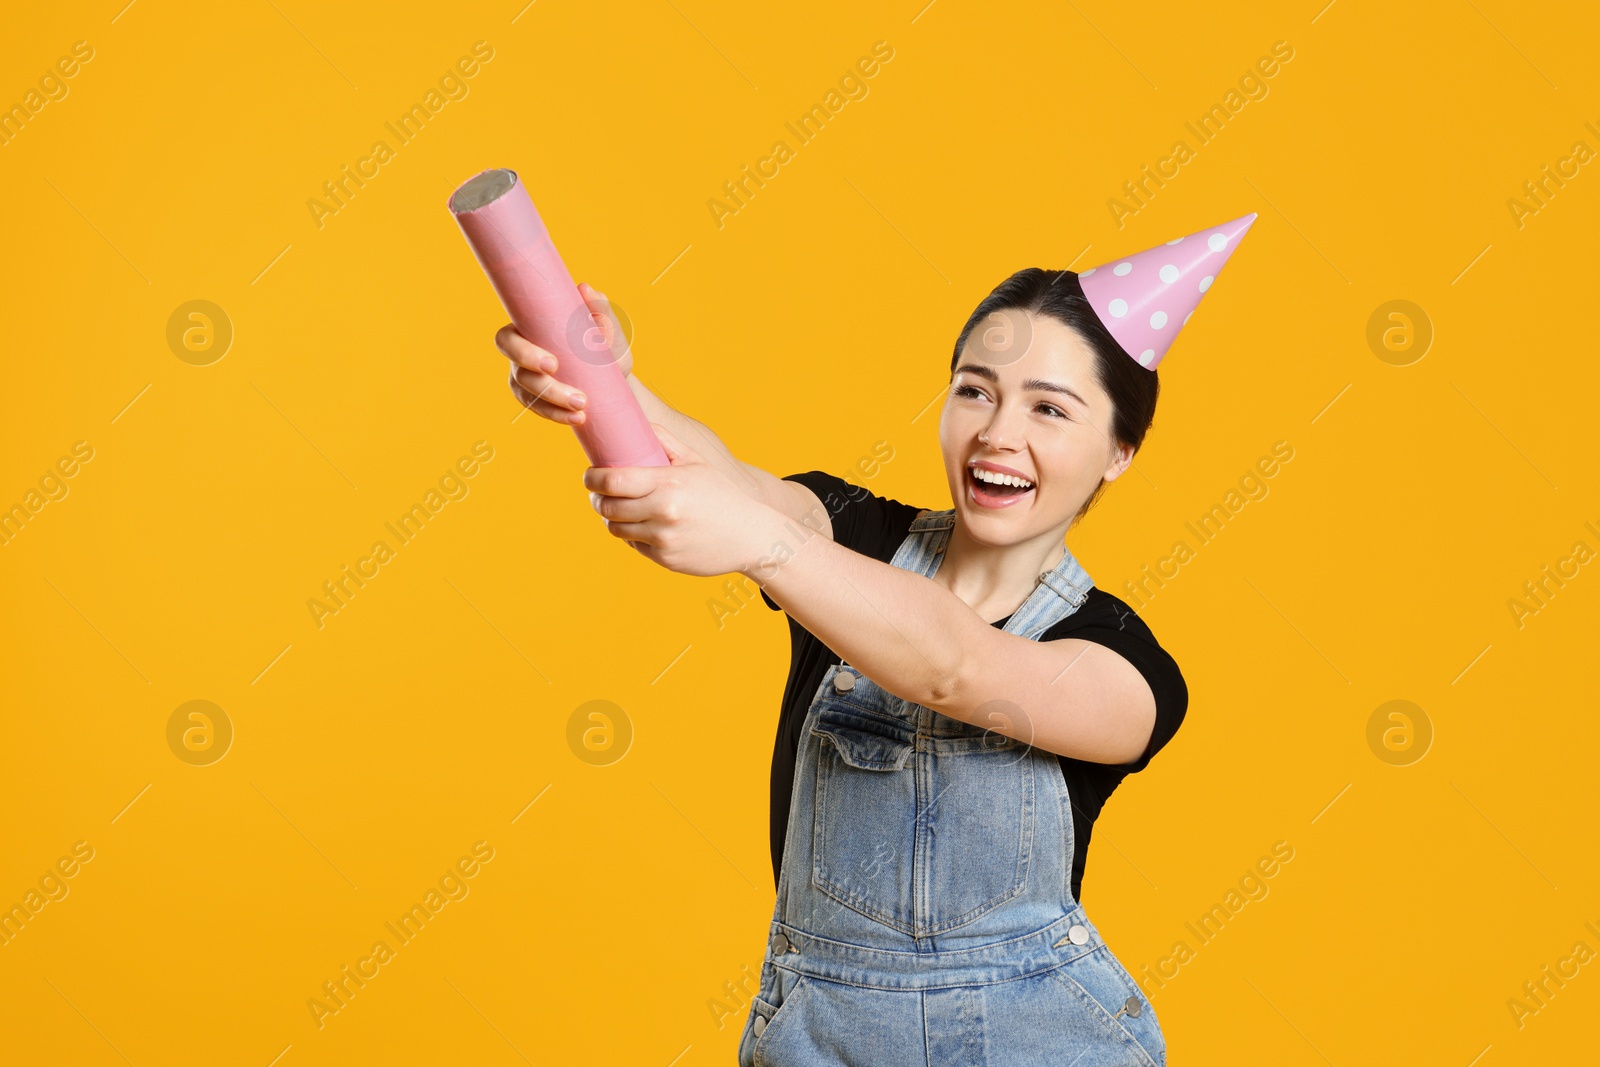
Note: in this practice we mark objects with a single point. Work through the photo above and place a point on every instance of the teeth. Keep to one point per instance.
(999, 479)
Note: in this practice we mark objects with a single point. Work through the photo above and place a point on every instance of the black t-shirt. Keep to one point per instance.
(875, 526)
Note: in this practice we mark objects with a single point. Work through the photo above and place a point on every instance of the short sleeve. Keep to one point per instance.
(862, 521)
(1107, 620)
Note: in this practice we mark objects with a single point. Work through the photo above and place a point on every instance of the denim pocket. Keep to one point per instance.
(767, 1017)
(863, 831)
(893, 811)
(1105, 989)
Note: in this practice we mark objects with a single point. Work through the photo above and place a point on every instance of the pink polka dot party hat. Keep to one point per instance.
(1146, 298)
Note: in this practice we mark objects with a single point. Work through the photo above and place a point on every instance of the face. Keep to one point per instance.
(1024, 401)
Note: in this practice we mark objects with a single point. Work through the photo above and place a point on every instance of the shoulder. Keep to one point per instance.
(1103, 610)
(862, 520)
(1107, 620)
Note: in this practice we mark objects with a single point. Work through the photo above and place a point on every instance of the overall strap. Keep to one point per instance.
(924, 545)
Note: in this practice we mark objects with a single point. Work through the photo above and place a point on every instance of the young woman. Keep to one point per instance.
(961, 700)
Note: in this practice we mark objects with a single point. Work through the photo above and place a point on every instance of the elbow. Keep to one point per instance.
(958, 667)
(943, 689)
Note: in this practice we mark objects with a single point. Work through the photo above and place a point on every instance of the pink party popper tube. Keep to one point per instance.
(514, 248)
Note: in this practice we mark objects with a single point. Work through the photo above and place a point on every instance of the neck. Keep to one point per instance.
(994, 580)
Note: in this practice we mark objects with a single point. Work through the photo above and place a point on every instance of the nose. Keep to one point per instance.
(1001, 434)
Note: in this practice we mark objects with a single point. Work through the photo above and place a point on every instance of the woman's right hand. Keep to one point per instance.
(532, 378)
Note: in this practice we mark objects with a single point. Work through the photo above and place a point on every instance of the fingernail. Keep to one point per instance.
(548, 363)
(578, 400)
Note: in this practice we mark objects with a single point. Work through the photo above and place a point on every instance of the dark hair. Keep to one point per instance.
(1132, 388)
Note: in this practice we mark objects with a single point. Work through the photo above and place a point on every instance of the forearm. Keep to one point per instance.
(696, 434)
(902, 630)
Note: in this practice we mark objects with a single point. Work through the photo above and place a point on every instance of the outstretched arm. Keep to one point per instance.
(910, 635)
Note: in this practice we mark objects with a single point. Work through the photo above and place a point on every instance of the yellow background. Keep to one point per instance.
(431, 711)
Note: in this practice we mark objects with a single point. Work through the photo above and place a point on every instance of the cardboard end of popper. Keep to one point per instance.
(482, 189)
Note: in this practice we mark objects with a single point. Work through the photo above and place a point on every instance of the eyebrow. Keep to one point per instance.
(1031, 383)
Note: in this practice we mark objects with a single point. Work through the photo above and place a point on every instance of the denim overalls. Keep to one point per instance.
(925, 913)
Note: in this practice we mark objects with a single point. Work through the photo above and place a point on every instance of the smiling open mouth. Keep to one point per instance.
(992, 490)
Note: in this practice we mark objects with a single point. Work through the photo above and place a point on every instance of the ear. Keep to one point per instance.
(1121, 458)
(678, 453)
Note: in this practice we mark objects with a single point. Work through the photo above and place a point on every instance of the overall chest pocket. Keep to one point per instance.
(921, 833)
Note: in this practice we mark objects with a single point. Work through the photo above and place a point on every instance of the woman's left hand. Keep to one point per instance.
(688, 517)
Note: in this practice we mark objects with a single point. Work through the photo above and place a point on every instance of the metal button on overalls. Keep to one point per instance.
(780, 945)
(844, 681)
(760, 1025)
(1078, 934)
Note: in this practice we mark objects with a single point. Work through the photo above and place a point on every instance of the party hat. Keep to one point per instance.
(1146, 298)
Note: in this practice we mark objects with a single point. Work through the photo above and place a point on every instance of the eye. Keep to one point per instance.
(974, 392)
